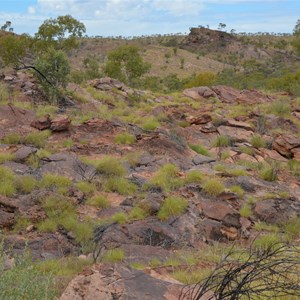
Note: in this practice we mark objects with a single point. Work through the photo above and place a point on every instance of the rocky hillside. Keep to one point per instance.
(142, 193)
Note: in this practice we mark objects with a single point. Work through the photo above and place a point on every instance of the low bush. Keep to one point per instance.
(110, 166)
(221, 141)
(55, 181)
(125, 139)
(246, 211)
(12, 138)
(194, 176)
(213, 187)
(119, 185)
(26, 184)
(120, 217)
(150, 123)
(98, 201)
(172, 207)
(200, 149)
(166, 178)
(257, 141)
(86, 187)
(114, 256)
(6, 157)
(37, 139)
(7, 182)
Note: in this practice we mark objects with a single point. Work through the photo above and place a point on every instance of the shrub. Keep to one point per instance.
(12, 138)
(172, 207)
(138, 213)
(37, 139)
(258, 142)
(6, 157)
(292, 228)
(269, 173)
(246, 211)
(247, 150)
(200, 149)
(114, 256)
(221, 141)
(237, 190)
(110, 166)
(237, 172)
(86, 187)
(150, 123)
(194, 176)
(119, 185)
(213, 187)
(98, 201)
(26, 184)
(21, 223)
(266, 241)
(191, 276)
(262, 226)
(280, 108)
(120, 218)
(57, 181)
(7, 182)
(166, 178)
(125, 138)
(23, 281)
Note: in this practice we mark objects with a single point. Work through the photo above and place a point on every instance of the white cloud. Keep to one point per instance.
(31, 10)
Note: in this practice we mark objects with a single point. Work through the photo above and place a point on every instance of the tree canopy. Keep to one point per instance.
(45, 52)
(126, 64)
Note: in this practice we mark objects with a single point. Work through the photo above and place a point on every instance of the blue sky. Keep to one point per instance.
(138, 17)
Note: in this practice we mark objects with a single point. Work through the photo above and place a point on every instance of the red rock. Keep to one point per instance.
(235, 133)
(60, 123)
(285, 145)
(41, 123)
(202, 119)
(199, 93)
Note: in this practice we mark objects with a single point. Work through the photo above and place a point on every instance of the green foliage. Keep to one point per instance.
(6, 157)
(55, 68)
(98, 201)
(194, 176)
(92, 68)
(21, 223)
(257, 141)
(266, 241)
(4, 95)
(119, 185)
(281, 108)
(86, 187)
(13, 48)
(294, 167)
(292, 228)
(247, 150)
(60, 33)
(138, 213)
(38, 138)
(237, 190)
(120, 217)
(213, 187)
(200, 149)
(57, 182)
(66, 266)
(191, 276)
(114, 256)
(150, 123)
(125, 138)
(26, 184)
(110, 166)
(246, 211)
(126, 64)
(269, 172)
(25, 282)
(7, 182)
(12, 138)
(202, 79)
(221, 141)
(262, 226)
(172, 207)
(166, 178)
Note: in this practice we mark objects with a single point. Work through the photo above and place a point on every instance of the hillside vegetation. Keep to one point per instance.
(135, 169)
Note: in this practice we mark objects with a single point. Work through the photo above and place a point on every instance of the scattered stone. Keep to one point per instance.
(24, 152)
(200, 159)
(61, 123)
(202, 119)
(285, 145)
(42, 123)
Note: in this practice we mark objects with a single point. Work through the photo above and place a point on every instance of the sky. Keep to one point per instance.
(145, 17)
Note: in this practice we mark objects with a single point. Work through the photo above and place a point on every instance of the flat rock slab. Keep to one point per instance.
(202, 159)
(107, 282)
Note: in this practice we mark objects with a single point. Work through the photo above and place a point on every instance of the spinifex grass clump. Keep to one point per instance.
(172, 207)
(213, 187)
(7, 182)
(166, 178)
